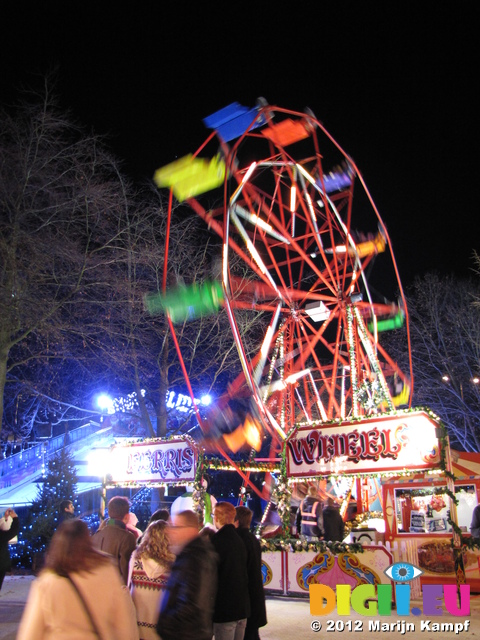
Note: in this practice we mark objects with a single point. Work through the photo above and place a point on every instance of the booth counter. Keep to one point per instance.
(291, 572)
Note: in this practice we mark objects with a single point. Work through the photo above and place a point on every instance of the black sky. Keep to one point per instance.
(394, 83)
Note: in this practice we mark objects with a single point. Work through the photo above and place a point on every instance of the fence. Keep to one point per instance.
(31, 462)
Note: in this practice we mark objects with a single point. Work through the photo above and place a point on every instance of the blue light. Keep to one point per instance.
(206, 400)
(105, 403)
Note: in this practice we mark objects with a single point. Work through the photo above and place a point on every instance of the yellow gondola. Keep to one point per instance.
(189, 176)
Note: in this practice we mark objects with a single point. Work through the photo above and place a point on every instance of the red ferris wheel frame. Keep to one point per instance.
(290, 218)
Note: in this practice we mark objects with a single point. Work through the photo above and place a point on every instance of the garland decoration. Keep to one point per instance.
(471, 543)
(353, 363)
(378, 390)
(175, 438)
(320, 546)
(199, 491)
(219, 464)
(428, 491)
(281, 496)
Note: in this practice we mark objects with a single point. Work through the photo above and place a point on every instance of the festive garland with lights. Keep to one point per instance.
(219, 464)
(320, 546)
(282, 495)
(426, 491)
(470, 543)
(182, 438)
(199, 491)
(136, 484)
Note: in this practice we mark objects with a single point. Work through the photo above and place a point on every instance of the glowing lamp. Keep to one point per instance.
(105, 403)
(96, 461)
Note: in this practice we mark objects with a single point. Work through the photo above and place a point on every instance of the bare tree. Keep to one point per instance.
(80, 248)
(476, 268)
(138, 348)
(60, 199)
(445, 335)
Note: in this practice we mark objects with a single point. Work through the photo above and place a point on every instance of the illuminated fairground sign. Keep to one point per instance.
(373, 445)
(155, 461)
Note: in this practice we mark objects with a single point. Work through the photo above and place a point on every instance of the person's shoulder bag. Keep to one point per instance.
(85, 606)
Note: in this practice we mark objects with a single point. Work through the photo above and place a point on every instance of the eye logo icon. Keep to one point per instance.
(403, 572)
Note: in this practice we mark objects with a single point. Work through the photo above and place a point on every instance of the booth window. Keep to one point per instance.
(426, 509)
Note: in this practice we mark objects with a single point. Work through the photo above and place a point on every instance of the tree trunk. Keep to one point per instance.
(163, 390)
(3, 379)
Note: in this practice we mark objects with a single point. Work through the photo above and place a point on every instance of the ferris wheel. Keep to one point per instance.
(295, 213)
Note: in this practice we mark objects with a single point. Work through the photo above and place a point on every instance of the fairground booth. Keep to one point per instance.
(408, 496)
(413, 496)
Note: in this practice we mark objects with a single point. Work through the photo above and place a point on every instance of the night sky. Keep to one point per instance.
(394, 83)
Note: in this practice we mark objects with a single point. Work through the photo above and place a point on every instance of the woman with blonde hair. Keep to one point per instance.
(148, 573)
(79, 594)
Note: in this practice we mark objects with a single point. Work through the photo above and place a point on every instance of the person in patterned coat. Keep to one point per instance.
(149, 570)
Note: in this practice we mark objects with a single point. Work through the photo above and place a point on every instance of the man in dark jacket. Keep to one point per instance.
(187, 606)
(333, 525)
(5, 536)
(114, 538)
(258, 613)
(309, 516)
(232, 604)
(66, 511)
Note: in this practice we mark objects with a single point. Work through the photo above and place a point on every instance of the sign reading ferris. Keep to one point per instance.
(159, 461)
(386, 443)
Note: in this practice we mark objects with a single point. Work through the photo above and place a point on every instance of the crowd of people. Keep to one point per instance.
(177, 579)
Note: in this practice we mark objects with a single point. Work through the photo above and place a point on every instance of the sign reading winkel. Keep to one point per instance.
(386, 443)
(159, 461)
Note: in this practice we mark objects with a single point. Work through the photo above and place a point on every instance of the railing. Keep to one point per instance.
(30, 461)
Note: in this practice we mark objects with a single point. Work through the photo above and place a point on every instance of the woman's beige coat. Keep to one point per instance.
(55, 612)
